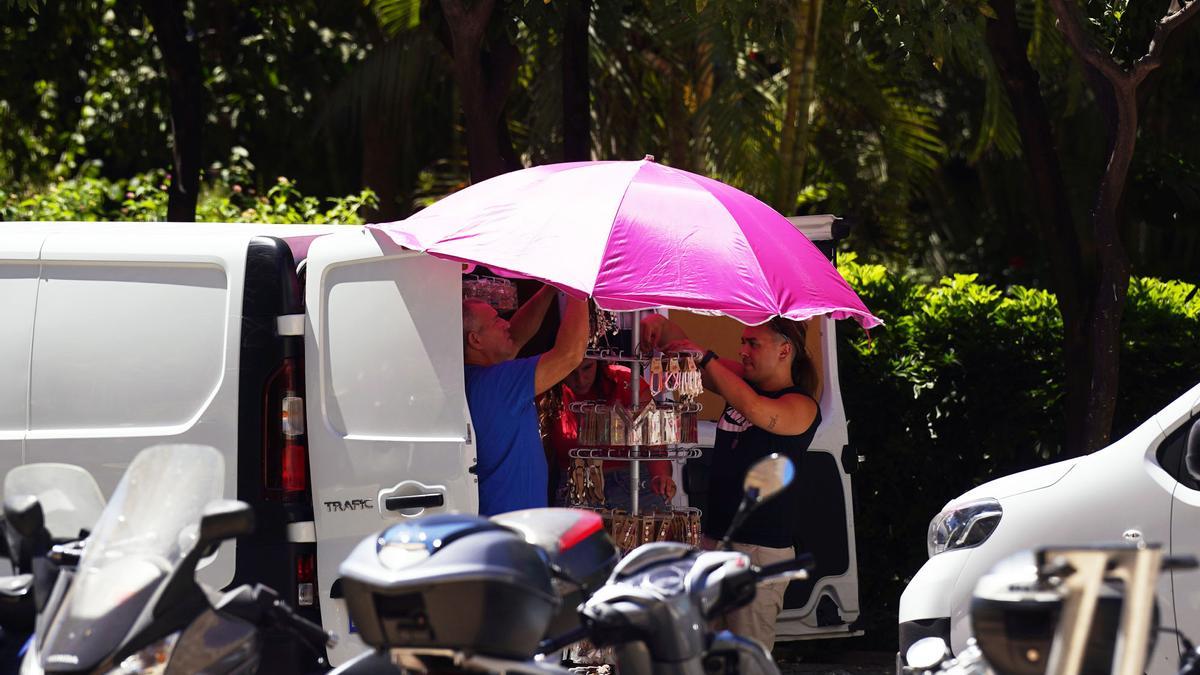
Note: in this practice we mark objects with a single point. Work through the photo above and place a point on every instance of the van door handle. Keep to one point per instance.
(406, 502)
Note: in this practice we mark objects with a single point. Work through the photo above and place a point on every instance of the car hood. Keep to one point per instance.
(1018, 483)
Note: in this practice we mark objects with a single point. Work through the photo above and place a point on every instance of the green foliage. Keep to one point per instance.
(84, 84)
(396, 16)
(963, 384)
(144, 198)
(25, 5)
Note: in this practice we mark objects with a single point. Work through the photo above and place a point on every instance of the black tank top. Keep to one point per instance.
(739, 444)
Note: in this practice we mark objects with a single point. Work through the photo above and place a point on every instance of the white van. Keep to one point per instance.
(334, 387)
(1137, 489)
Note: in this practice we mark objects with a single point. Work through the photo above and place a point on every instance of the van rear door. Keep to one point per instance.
(387, 423)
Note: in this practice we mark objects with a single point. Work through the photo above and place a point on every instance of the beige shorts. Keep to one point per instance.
(757, 620)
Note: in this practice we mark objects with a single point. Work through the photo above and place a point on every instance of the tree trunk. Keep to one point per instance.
(576, 93)
(1119, 92)
(483, 146)
(181, 61)
(679, 127)
(501, 68)
(380, 164)
(1070, 251)
(1112, 283)
(802, 64)
(808, 84)
(483, 85)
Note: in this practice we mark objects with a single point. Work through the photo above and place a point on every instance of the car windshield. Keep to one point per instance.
(151, 523)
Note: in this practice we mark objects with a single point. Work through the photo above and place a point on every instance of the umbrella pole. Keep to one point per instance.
(635, 382)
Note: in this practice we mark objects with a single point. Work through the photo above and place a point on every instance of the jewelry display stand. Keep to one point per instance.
(654, 431)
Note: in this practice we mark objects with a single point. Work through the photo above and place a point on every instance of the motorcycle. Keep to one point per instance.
(459, 593)
(132, 604)
(1063, 611)
(48, 510)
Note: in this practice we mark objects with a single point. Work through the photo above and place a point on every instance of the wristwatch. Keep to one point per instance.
(708, 356)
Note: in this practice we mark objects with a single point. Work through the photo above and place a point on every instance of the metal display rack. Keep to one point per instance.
(633, 452)
(607, 454)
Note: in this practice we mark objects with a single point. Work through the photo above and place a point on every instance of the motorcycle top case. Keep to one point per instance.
(575, 541)
(450, 581)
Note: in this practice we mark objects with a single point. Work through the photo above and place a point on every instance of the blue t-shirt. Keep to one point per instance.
(512, 464)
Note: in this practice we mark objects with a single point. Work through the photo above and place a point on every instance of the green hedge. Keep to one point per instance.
(223, 199)
(964, 384)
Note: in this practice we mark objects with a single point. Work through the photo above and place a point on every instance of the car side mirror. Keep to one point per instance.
(766, 478)
(1192, 450)
(23, 513)
(224, 519)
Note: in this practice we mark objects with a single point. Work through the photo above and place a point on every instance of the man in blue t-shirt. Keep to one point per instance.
(501, 391)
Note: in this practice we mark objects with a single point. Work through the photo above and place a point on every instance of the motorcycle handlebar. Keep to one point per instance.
(67, 554)
(804, 561)
(555, 644)
(310, 632)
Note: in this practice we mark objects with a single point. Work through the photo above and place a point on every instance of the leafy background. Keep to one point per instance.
(910, 138)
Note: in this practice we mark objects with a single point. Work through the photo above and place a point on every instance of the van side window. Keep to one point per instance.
(1172, 455)
(126, 346)
(392, 367)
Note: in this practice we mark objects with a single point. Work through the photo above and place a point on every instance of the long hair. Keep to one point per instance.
(804, 374)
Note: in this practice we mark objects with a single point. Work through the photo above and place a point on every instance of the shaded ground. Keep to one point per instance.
(819, 657)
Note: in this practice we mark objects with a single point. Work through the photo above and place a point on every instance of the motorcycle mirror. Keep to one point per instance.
(24, 514)
(225, 519)
(768, 477)
(765, 479)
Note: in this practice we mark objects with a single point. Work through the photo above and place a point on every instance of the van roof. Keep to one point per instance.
(297, 237)
(824, 227)
(151, 228)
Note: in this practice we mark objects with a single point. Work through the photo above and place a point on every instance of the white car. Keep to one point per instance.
(1137, 489)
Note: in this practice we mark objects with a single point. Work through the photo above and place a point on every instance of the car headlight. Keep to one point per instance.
(963, 525)
(150, 660)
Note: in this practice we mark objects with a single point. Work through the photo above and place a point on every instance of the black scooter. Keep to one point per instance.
(460, 593)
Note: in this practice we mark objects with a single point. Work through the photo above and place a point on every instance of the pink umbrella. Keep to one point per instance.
(636, 235)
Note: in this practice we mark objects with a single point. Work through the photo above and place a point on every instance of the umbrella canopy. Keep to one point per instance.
(636, 235)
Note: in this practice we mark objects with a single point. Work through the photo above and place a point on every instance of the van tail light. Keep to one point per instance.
(294, 469)
(306, 579)
(285, 445)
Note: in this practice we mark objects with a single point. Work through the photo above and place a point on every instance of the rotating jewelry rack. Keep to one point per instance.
(674, 371)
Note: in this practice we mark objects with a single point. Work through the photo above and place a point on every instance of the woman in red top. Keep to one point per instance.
(609, 383)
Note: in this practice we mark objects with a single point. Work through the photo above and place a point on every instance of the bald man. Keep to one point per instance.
(501, 391)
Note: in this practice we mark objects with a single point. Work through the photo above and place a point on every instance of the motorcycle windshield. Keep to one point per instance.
(71, 501)
(150, 524)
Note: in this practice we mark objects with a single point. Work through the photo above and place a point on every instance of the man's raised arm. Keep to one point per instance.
(528, 318)
(570, 345)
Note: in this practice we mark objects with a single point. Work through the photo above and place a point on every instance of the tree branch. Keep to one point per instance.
(1067, 12)
(1166, 27)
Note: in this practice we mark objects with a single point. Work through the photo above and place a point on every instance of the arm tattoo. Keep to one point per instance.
(771, 424)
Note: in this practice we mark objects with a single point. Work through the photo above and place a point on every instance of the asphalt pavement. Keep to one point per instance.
(794, 659)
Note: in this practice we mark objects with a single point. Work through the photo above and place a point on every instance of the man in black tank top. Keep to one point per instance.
(771, 406)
